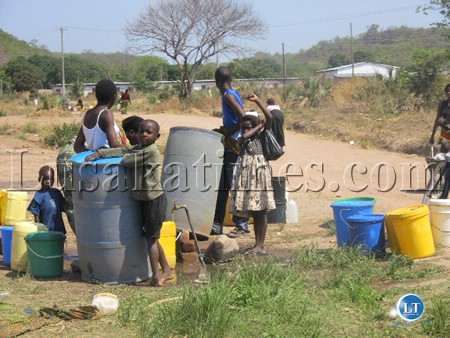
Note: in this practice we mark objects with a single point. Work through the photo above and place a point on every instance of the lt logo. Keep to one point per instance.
(410, 307)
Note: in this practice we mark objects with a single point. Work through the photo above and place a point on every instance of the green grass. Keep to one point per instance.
(318, 293)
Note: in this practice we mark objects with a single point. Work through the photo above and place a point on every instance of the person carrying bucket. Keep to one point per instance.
(48, 203)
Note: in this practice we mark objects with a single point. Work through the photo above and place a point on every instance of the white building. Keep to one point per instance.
(361, 69)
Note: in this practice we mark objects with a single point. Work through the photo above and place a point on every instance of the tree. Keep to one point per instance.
(24, 75)
(337, 60)
(443, 6)
(190, 32)
(423, 75)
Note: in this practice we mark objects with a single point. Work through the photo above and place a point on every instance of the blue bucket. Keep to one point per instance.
(6, 244)
(347, 207)
(367, 232)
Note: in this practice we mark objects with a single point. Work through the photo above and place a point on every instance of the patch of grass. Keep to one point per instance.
(31, 127)
(438, 322)
(62, 134)
(4, 129)
(2, 113)
(22, 136)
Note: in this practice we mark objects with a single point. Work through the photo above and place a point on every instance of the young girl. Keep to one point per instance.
(251, 190)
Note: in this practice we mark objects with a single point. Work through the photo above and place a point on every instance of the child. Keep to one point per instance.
(144, 159)
(48, 203)
(251, 191)
(130, 126)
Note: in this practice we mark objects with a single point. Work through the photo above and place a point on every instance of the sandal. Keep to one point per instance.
(235, 233)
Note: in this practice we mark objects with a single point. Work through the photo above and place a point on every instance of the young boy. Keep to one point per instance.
(144, 159)
(48, 203)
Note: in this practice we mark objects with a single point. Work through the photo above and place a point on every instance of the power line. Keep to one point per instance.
(343, 17)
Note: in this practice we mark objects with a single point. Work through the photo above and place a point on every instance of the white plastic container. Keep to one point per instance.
(107, 303)
(291, 212)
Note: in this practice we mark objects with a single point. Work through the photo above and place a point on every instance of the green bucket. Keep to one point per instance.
(45, 253)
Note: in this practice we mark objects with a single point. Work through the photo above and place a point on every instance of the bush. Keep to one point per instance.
(62, 134)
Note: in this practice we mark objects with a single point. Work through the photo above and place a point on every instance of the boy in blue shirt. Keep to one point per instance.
(48, 203)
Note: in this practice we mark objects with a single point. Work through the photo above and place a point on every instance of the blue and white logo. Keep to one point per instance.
(410, 307)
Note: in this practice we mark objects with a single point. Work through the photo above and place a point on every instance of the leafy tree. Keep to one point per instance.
(24, 75)
(255, 67)
(49, 65)
(337, 60)
(443, 6)
(423, 75)
(362, 56)
(6, 84)
(190, 32)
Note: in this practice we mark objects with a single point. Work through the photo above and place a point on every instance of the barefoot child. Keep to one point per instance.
(48, 203)
(251, 190)
(144, 161)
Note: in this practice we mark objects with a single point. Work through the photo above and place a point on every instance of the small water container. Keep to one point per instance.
(291, 212)
(19, 253)
(13, 206)
(106, 303)
(168, 242)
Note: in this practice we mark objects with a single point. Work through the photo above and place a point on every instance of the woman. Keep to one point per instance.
(443, 118)
(99, 130)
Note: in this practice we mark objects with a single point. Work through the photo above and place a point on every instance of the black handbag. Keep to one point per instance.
(271, 149)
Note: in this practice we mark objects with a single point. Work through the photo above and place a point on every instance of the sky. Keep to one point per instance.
(97, 25)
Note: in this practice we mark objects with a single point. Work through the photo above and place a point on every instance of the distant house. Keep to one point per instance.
(90, 87)
(361, 69)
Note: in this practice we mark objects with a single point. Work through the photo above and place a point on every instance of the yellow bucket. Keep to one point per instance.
(392, 238)
(412, 231)
(13, 206)
(168, 242)
(228, 220)
(19, 256)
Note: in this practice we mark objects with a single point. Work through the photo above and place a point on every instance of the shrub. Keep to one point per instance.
(62, 134)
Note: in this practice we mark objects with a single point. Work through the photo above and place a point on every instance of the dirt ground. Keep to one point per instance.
(317, 171)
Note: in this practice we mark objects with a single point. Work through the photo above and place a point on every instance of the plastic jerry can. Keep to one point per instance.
(19, 253)
(291, 212)
(168, 242)
(13, 204)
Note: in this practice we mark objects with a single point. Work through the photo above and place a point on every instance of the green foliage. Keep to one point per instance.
(424, 74)
(260, 66)
(337, 60)
(48, 101)
(31, 127)
(438, 324)
(24, 75)
(443, 7)
(62, 134)
(2, 113)
(76, 90)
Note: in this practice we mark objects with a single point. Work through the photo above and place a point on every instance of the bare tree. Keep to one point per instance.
(192, 31)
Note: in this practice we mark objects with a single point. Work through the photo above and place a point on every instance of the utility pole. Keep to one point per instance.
(284, 72)
(62, 29)
(351, 47)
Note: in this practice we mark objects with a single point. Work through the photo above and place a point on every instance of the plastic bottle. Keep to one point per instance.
(291, 212)
(107, 303)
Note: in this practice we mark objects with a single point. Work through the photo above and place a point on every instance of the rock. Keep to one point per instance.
(222, 249)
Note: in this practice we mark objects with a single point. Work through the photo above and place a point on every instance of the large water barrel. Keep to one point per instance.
(192, 165)
(110, 244)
